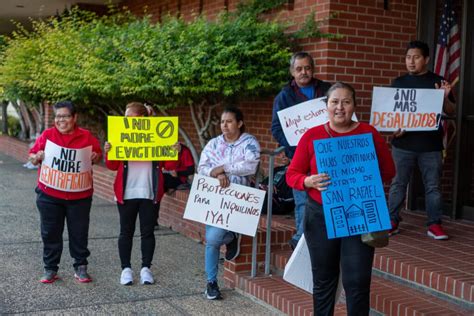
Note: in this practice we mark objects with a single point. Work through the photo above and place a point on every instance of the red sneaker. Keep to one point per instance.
(394, 230)
(81, 274)
(436, 231)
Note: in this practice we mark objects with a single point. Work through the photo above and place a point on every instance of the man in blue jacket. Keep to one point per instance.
(301, 88)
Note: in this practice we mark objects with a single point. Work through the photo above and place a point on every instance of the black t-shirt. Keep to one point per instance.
(424, 141)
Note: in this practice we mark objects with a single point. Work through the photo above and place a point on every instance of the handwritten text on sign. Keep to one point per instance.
(297, 119)
(354, 202)
(142, 138)
(236, 208)
(406, 109)
(66, 169)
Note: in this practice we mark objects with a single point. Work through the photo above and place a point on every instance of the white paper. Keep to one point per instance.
(298, 269)
(406, 109)
(297, 119)
(236, 208)
(66, 169)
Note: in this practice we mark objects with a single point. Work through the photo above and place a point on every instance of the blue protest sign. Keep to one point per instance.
(354, 202)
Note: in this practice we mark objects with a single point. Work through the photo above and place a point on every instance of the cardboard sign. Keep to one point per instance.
(66, 169)
(298, 269)
(297, 119)
(406, 109)
(142, 138)
(354, 202)
(236, 208)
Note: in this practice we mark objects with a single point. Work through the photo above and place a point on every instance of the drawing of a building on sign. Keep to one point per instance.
(372, 217)
(339, 221)
(356, 220)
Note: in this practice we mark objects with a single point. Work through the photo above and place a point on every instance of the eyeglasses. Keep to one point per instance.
(62, 117)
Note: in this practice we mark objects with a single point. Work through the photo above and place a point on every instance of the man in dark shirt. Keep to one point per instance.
(423, 148)
(302, 88)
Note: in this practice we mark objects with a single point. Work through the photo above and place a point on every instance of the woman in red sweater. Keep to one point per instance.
(349, 254)
(58, 203)
(138, 189)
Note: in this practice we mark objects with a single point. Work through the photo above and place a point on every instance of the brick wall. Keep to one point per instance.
(370, 54)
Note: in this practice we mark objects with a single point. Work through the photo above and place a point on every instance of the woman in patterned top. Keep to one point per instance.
(231, 158)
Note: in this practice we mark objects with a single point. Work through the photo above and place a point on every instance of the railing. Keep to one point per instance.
(268, 243)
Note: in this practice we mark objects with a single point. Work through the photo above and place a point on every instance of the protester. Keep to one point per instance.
(303, 87)
(55, 205)
(349, 254)
(231, 158)
(176, 173)
(423, 148)
(138, 190)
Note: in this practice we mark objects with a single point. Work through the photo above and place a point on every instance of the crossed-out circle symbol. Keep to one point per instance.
(165, 129)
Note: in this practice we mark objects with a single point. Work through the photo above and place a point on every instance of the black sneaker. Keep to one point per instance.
(49, 276)
(233, 248)
(81, 274)
(212, 291)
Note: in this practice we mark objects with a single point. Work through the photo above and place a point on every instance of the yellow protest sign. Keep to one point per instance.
(142, 138)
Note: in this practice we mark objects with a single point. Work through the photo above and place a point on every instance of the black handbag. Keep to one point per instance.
(375, 239)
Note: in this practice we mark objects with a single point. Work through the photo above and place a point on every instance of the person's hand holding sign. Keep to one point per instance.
(219, 173)
(95, 157)
(398, 133)
(36, 158)
(107, 147)
(318, 181)
(223, 180)
(448, 106)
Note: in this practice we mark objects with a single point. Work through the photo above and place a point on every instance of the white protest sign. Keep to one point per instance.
(297, 119)
(236, 208)
(298, 269)
(406, 108)
(66, 169)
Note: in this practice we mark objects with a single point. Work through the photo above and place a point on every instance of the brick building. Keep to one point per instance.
(371, 53)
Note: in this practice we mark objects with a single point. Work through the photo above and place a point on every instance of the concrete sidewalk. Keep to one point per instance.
(178, 265)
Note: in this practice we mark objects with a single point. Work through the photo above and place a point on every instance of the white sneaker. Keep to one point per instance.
(146, 277)
(126, 278)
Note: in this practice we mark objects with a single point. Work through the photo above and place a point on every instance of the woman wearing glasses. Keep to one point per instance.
(64, 190)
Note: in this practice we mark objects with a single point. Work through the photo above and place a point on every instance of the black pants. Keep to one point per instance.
(148, 212)
(53, 212)
(327, 256)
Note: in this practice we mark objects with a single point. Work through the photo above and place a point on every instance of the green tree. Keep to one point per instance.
(103, 62)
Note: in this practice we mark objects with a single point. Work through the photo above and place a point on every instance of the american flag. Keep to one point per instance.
(448, 50)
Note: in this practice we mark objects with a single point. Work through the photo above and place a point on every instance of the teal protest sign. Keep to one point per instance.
(354, 202)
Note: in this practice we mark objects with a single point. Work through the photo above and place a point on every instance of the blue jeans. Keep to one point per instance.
(328, 256)
(430, 164)
(215, 238)
(300, 202)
